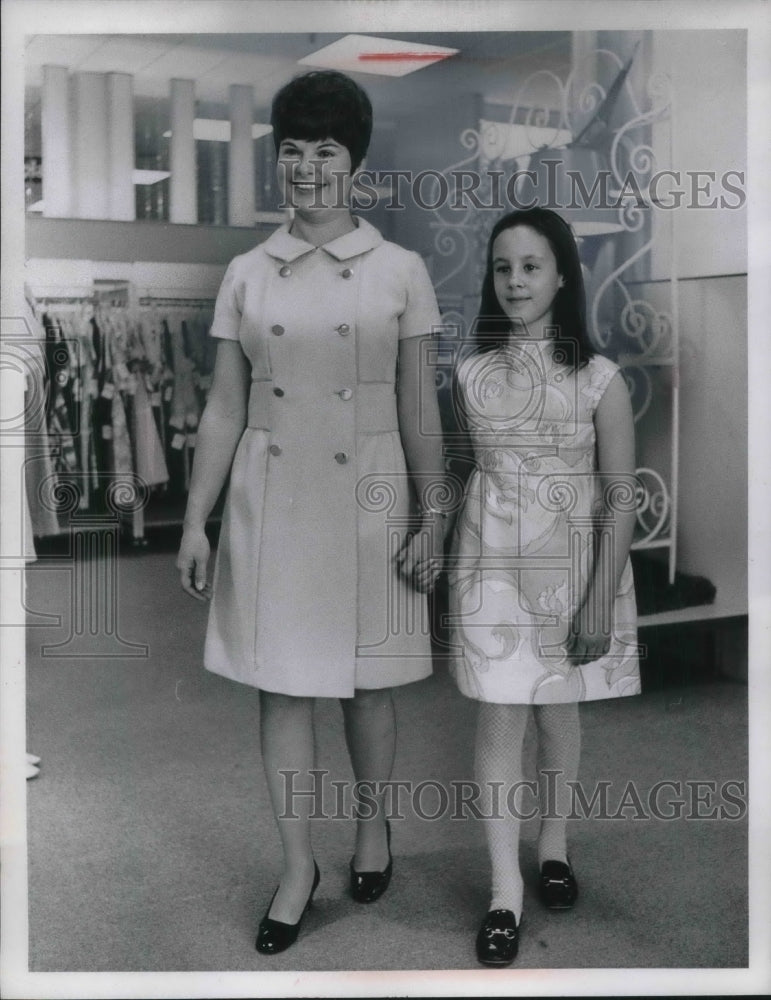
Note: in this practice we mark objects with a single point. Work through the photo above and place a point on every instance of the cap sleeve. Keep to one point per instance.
(421, 313)
(227, 309)
(598, 375)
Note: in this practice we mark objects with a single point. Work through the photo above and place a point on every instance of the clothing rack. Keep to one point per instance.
(133, 387)
(169, 302)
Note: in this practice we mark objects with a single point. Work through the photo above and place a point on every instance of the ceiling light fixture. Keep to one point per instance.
(382, 56)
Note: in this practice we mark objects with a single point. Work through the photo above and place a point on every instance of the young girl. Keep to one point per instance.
(541, 587)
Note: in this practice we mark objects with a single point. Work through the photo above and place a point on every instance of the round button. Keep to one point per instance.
(278, 392)
(277, 329)
(347, 273)
(285, 271)
(341, 458)
(345, 394)
(343, 329)
(275, 449)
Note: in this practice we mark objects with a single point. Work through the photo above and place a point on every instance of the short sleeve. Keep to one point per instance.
(598, 375)
(227, 309)
(421, 313)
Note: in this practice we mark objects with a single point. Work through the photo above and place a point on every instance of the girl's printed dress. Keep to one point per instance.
(524, 542)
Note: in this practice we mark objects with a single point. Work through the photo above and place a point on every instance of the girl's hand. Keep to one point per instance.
(584, 645)
(586, 648)
(420, 559)
(192, 562)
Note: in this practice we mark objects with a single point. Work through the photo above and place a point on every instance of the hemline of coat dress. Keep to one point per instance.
(523, 541)
(307, 600)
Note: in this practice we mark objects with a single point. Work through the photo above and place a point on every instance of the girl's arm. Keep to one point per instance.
(219, 432)
(614, 427)
(421, 433)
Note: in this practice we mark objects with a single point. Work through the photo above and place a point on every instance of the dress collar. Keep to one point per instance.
(282, 245)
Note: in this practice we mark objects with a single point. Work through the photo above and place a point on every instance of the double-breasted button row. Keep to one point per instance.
(341, 457)
(285, 271)
(278, 330)
(347, 273)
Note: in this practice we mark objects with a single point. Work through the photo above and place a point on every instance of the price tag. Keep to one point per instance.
(177, 422)
(107, 432)
(178, 441)
(108, 390)
(168, 392)
(192, 419)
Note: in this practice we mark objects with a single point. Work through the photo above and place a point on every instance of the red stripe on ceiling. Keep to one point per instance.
(396, 56)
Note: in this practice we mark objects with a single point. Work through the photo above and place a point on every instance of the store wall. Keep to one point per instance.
(707, 70)
(138, 241)
(708, 75)
(712, 491)
(429, 141)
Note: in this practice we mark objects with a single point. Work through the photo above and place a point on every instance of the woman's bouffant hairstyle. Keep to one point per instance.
(324, 104)
(569, 312)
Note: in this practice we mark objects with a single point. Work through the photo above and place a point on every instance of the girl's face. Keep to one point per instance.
(525, 278)
(314, 174)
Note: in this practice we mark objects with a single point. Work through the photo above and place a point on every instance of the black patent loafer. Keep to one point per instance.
(366, 887)
(274, 936)
(558, 886)
(498, 938)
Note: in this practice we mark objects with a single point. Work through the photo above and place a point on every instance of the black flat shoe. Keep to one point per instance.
(366, 887)
(559, 889)
(274, 936)
(498, 938)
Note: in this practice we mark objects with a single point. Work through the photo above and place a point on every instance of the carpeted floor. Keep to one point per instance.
(152, 846)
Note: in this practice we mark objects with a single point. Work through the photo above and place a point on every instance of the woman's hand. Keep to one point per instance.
(421, 557)
(192, 563)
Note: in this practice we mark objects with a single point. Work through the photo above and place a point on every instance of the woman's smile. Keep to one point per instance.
(315, 174)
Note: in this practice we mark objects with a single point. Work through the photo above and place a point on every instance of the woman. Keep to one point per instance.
(314, 590)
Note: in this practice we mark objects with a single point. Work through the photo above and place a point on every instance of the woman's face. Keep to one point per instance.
(525, 278)
(314, 174)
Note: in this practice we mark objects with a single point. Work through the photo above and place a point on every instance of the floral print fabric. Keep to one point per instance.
(525, 539)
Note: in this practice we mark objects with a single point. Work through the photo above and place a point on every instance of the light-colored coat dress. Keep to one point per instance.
(306, 597)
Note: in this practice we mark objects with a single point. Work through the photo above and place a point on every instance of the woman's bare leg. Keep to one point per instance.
(287, 740)
(370, 733)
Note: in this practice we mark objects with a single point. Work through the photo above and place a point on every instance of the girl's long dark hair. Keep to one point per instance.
(492, 326)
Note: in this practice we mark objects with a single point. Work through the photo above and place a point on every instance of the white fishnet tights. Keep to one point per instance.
(498, 765)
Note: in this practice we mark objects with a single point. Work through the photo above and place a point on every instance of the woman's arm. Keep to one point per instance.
(421, 433)
(219, 432)
(614, 427)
